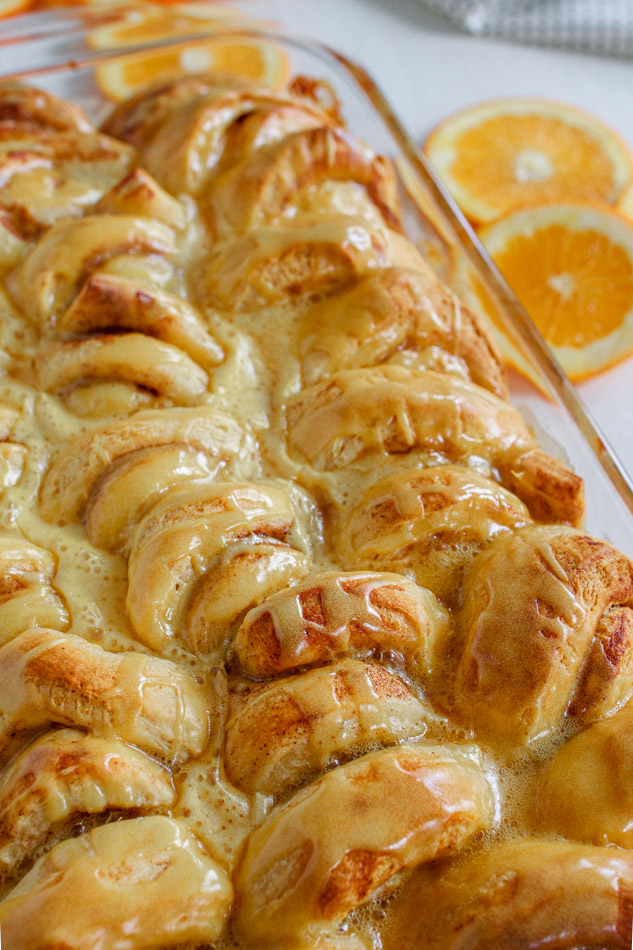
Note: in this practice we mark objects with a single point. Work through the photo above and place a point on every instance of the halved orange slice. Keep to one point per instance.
(501, 156)
(260, 61)
(572, 268)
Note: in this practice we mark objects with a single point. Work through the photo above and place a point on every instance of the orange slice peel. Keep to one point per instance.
(572, 268)
(501, 156)
(259, 60)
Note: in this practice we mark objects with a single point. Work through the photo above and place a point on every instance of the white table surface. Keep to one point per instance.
(427, 70)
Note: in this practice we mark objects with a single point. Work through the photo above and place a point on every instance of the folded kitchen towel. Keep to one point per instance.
(601, 26)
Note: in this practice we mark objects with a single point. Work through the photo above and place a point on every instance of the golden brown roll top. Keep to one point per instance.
(46, 177)
(138, 118)
(62, 778)
(136, 884)
(314, 255)
(537, 639)
(399, 315)
(107, 333)
(261, 188)
(333, 614)
(23, 105)
(586, 792)
(116, 302)
(300, 725)
(430, 523)
(221, 127)
(132, 358)
(113, 474)
(140, 194)
(50, 677)
(51, 276)
(27, 595)
(206, 553)
(389, 418)
(53, 163)
(521, 895)
(253, 156)
(329, 849)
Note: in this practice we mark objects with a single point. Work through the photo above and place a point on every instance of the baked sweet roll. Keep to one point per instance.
(53, 273)
(140, 117)
(263, 188)
(399, 315)
(428, 523)
(298, 726)
(315, 256)
(334, 615)
(390, 418)
(46, 176)
(546, 630)
(50, 677)
(64, 779)
(27, 595)
(584, 792)
(251, 155)
(27, 106)
(220, 128)
(53, 162)
(518, 894)
(145, 882)
(122, 339)
(207, 552)
(111, 476)
(312, 861)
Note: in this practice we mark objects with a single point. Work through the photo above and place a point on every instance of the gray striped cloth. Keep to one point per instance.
(599, 26)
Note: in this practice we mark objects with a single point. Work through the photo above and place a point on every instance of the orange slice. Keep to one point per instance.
(13, 7)
(501, 156)
(104, 6)
(153, 23)
(572, 268)
(474, 292)
(257, 60)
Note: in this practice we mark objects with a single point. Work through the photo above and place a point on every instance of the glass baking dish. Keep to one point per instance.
(56, 46)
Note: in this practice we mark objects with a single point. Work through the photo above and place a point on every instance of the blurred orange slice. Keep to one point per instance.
(260, 61)
(148, 23)
(474, 292)
(501, 156)
(13, 7)
(572, 268)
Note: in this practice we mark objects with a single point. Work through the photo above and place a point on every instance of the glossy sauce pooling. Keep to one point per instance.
(298, 621)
